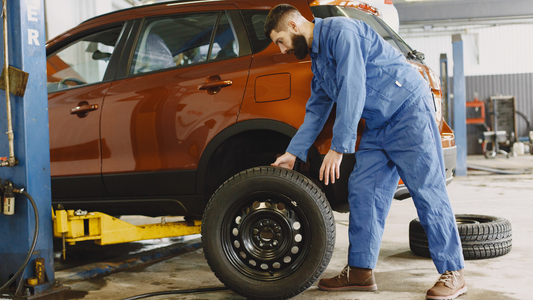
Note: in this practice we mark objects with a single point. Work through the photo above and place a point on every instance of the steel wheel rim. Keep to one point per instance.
(265, 235)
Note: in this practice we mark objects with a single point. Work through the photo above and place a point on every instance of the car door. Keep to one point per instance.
(77, 81)
(184, 84)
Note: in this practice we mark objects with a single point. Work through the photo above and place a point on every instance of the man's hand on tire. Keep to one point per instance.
(287, 161)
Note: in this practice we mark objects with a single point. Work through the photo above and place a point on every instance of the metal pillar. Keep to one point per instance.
(445, 88)
(26, 48)
(459, 104)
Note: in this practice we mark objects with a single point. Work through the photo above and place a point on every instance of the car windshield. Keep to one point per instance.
(326, 11)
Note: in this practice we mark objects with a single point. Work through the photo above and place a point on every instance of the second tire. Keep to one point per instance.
(481, 236)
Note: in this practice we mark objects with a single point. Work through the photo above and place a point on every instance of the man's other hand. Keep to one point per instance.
(331, 167)
(287, 161)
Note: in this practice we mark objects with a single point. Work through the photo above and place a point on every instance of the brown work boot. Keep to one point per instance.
(350, 279)
(450, 285)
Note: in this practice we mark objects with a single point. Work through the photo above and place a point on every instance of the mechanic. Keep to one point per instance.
(365, 77)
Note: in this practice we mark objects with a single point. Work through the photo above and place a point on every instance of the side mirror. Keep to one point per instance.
(416, 55)
(99, 55)
(420, 55)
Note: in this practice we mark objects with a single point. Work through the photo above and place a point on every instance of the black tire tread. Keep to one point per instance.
(310, 188)
(479, 241)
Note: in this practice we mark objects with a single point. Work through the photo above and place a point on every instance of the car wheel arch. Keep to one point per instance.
(237, 130)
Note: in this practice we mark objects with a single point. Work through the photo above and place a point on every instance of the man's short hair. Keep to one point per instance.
(276, 16)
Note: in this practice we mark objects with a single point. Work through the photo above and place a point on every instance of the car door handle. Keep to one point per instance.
(213, 84)
(83, 109)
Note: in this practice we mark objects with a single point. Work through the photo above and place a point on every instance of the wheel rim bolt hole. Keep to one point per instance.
(296, 225)
(298, 238)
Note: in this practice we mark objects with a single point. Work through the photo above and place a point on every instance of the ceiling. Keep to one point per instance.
(422, 11)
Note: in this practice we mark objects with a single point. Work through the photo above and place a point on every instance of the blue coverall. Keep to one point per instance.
(367, 78)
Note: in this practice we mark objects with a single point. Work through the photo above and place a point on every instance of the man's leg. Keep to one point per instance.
(371, 188)
(415, 147)
(372, 185)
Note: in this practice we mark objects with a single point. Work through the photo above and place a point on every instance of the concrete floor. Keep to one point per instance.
(399, 273)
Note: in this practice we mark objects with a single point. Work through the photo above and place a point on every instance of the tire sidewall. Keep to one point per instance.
(220, 205)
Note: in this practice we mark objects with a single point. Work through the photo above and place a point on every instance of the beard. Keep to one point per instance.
(299, 46)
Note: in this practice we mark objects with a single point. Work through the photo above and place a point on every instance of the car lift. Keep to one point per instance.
(26, 251)
(76, 226)
(26, 233)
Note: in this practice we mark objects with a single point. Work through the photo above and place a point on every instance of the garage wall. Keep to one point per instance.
(497, 58)
(489, 49)
(61, 15)
(518, 85)
(417, 11)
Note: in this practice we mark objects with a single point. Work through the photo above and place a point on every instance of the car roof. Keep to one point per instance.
(163, 7)
(155, 8)
(241, 4)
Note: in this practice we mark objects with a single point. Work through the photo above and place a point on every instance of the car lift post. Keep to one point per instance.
(445, 88)
(459, 104)
(26, 51)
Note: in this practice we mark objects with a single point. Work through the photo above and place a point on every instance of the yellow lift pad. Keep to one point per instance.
(105, 229)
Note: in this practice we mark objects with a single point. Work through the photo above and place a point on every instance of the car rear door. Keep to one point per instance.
(182, 84)
(79, 72)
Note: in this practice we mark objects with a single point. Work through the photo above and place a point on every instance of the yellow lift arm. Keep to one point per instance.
(105, 229)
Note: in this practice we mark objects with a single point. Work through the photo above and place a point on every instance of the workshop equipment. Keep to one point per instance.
(76, 226)
(495, 138)
(27, 165)
(478, 106)
(504, 115)
(503, 125)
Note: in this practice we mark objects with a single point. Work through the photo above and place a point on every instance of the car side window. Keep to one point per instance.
(254, 20)
(183, 40)
(82, 62)
(225, 45)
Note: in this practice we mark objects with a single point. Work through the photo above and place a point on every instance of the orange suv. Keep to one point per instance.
(157, 109)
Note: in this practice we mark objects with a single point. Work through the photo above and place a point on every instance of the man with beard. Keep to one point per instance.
(365, 77)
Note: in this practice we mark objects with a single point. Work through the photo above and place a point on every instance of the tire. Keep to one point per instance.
(481, 236)
(268, 233)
